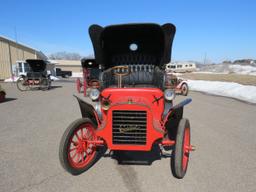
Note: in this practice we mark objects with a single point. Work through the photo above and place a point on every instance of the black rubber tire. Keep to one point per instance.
(184, 91)
(18, 83)
(45, 84)
(177, 155)
(2, 96)
(63, 156)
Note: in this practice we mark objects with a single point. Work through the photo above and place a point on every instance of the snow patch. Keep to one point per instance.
(10, 80)
(14, 79)
(227, 89)
(228, 68)
(53, 78)
(209, 72)
(243, 69)
(77, 74)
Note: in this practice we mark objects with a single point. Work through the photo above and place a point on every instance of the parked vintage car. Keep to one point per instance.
(91, 73)
(178, 84)
(36, 77)
(133, 110)
(63, 74)
(2, 94)
(180, 67)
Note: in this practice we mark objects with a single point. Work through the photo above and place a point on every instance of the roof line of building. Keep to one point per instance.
(21, 44)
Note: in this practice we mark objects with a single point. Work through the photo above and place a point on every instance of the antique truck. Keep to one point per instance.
(132, 109)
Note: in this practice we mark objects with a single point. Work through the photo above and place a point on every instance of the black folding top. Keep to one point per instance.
(36, 65)
(89, 63)
(145, 43)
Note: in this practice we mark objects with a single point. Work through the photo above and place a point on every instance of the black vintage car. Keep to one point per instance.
(36, 78)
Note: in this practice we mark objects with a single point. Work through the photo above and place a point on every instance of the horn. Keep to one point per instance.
(105, 104)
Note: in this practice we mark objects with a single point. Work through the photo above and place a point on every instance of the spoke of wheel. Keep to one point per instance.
(70, 150)
(82, 132)
(82, 157)
(77, 135)
(74, 142)
(73, 156)
(78, 157)
(89, 134)
(86, 134)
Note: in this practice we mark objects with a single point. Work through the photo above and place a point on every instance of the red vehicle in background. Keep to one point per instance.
(133, 110)
(91, 72)
(2, 94)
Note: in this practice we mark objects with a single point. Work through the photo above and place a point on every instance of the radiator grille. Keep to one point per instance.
(129, 127)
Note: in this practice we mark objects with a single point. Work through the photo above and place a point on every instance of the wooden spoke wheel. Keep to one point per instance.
(180, 158)
(22, 84)
(184, 89)
(76, 153)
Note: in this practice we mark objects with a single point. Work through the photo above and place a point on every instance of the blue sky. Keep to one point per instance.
(223, 29)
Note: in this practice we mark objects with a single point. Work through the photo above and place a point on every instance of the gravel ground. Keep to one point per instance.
(32, 123)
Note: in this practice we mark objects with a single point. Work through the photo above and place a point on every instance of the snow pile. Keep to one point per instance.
(216, 68)
(176, 74)
(14, 79)
(9, 80)
(227, 89)
(53, 78)
(228, 68)
(77, 74)
(210, 72)
(243, 69)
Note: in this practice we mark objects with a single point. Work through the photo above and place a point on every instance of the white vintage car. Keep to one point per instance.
(180, 85)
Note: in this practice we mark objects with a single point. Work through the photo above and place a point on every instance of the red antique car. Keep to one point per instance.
(91, 72)
(132, 110)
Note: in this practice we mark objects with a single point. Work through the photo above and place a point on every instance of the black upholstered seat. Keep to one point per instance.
(36, 75)
(139, 76)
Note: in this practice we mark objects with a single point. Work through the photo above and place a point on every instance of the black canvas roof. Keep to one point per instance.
(89, 63)
(145, 43)
(36, 65)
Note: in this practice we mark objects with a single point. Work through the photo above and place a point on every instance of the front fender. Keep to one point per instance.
(177, 108)
(88, 111)
(181, 83)
(23, 76)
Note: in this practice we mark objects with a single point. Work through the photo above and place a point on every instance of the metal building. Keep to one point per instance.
(68, 65)
(11, 52)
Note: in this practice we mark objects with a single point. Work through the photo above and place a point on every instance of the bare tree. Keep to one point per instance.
(65, 55)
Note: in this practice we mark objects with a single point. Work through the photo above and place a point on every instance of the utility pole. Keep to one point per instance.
(205, 55)
(17, 51)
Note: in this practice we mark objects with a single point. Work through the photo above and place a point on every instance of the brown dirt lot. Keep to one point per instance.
(242, 79)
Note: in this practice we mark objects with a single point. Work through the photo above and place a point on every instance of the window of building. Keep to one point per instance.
(20, 67)
(26, 67)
